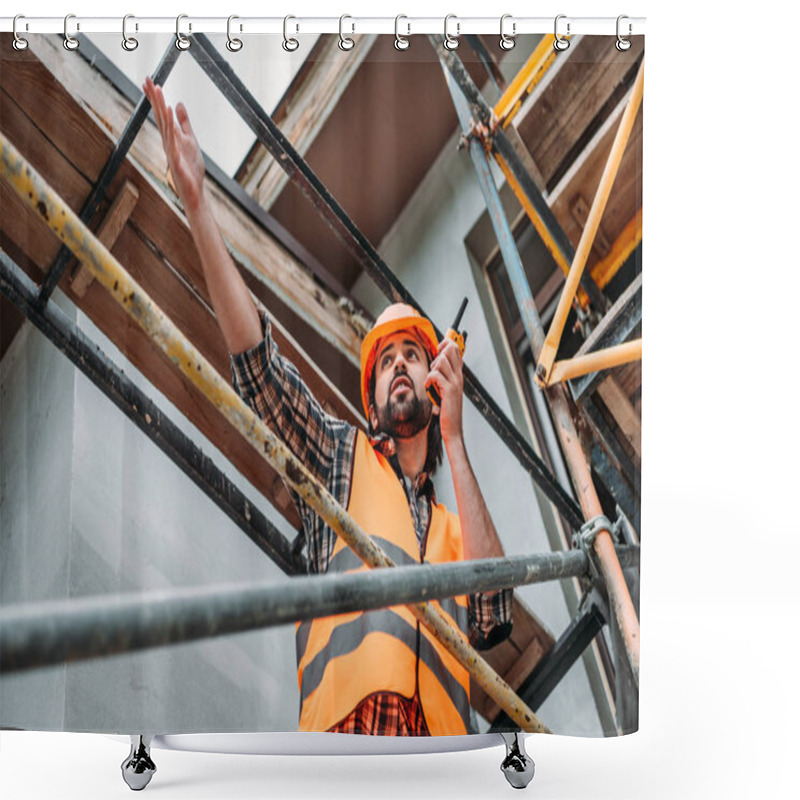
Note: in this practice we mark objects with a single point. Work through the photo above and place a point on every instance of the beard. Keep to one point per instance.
(403, 419)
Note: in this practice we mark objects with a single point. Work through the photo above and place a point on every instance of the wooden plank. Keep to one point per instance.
(574, 98)
(109, 232)
(517, 674)
(39, 150)
(584, 178)
(528, 641)
(579, 209)
(38, 93)
(623, 411)
(305, 114)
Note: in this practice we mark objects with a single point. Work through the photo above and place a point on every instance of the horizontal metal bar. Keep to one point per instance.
(109, 171)
(556, 662)
(304, 178)
(40, 634)
(147, 416)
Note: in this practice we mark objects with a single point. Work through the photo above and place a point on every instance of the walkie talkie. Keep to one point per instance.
(460, 339)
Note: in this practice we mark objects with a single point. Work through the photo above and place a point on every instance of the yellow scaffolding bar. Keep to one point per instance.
(593, 362)
(41, 198)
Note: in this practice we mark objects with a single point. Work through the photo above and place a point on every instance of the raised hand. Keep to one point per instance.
(180, 145)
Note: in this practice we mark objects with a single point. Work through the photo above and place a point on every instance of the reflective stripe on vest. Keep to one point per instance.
(344, 659)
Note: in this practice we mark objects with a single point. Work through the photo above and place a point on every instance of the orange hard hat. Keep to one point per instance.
(396, 317)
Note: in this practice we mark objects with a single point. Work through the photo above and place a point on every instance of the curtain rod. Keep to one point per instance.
(406, 25)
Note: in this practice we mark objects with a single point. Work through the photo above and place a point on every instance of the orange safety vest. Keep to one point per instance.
(343, 659)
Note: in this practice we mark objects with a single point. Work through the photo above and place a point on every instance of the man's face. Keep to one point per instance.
(401, 407)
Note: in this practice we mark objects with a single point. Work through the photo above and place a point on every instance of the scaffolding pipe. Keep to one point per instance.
(549, 351)
(42, 634)
(147, 416)
(619, 597)
(41, 198)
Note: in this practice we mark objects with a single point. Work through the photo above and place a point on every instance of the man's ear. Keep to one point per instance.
(373, 418)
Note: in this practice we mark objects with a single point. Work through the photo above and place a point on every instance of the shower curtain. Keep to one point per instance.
(340, 179)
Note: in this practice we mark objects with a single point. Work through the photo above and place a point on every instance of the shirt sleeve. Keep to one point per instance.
(490, 618)
(271, 385)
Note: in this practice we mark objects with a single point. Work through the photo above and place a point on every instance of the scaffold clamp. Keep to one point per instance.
(584, 539)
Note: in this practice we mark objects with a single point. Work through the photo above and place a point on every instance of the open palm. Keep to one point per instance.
(180, 145)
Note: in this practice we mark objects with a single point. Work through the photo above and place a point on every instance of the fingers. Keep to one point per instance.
(183, 119)
(448, 361)
(162, 112)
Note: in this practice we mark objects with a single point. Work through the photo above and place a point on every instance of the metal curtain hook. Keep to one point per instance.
(70, 42)
(19, 43)
(129, 43)
(181, 42)
(289, 44)
(233, 44)
(451, 42)
(401, 42)
(506, 41)
(561, 43)
(345, 42)
(623, 44)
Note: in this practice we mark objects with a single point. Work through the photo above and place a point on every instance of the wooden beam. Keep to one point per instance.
(573, 99)
(108, 232)
(620, 406)
(579, 209)
(520, 653)
(583, 178)
(306, 113)
(517, 674)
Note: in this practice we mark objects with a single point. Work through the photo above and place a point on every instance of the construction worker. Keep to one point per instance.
(375, 672)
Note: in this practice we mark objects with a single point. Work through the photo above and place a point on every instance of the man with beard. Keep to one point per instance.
(376, 672)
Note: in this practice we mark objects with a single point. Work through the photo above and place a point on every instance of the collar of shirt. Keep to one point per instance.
(387, 447)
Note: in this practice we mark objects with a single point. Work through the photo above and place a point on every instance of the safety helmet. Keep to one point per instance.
(397, 317)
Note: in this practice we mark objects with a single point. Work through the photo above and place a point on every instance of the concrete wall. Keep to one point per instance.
(90, 506)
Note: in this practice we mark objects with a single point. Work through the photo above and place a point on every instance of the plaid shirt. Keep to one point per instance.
(273, 388)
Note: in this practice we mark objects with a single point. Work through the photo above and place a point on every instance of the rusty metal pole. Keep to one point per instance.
(63, 221)
(619, 597)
